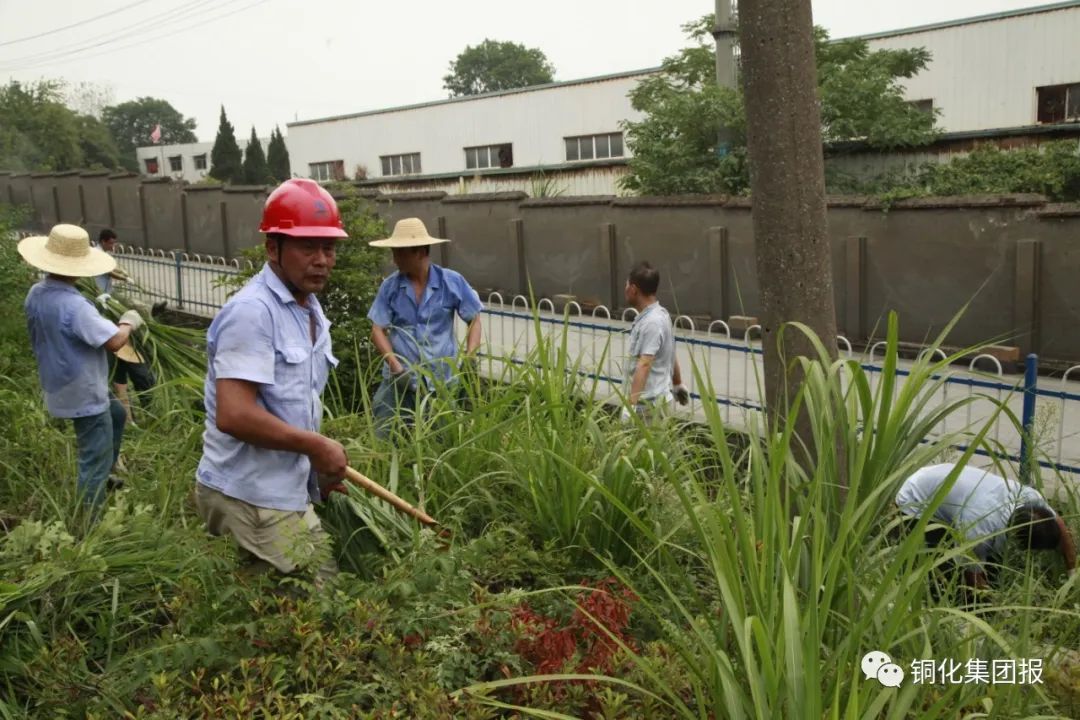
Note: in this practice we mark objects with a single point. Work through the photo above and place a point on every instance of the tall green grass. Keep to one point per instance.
(789, 572)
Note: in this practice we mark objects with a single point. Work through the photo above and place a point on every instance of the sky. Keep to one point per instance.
(274, 61)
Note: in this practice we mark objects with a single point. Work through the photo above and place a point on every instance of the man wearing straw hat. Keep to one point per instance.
(70, 339)
(413, 322)
(269, 358)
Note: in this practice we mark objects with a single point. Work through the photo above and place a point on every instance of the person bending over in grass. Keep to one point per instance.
(653, 377)
(985, 508)
(264, 461)
(70, 339)
(412, 322)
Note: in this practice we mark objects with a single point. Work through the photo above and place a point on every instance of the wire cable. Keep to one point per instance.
(87, 21)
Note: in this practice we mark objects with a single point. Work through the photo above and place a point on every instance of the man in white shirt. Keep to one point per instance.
(985, 507)
(653, 374)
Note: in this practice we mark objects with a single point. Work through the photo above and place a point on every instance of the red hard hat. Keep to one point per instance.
(301, 208)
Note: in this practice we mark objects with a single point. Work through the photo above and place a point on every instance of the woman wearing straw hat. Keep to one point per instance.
(413, 321)
(70, 339)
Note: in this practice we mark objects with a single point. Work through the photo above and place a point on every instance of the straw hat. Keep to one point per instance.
(128, 354)
(66, 251)
(410, 232)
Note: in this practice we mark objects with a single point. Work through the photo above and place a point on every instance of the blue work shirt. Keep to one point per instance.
(104, 283)
(422, 334)
(68, 337)
(262, 335)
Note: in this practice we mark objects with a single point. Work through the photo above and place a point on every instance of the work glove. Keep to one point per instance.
(103, 300)
(132, 318)
(626, 417)
(682, 395)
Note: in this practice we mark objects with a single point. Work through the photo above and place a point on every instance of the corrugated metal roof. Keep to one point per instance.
(1034, 10)
(470, 98)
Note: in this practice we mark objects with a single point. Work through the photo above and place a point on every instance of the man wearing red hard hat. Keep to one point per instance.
(269, 358)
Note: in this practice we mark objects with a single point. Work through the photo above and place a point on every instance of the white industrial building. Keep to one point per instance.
(1011, 74)
(1012, 78)
(495, 141)
(189, 161)
(1003, 71)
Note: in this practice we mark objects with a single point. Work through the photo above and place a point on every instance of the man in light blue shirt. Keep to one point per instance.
(984, 508)
(70, 341)
(653, 376)
(413, 322)
(264, 461)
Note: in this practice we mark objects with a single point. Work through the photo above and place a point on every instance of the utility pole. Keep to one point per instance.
(726, 76)
(787, 183)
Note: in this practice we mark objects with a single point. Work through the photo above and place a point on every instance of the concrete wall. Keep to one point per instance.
(125, 191)
(243, 212)
(1012, 261)
(163, 220)
(205, 231)
(95, 202)
(485, 246)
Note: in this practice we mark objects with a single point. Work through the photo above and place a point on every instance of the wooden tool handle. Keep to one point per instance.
(379, 491)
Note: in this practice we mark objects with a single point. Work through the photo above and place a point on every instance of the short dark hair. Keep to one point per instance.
(1036, 527)
(645, 277)
(106, 234)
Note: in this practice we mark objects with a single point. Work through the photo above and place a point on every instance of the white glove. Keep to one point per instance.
(103, 299)
(131, 318)
(624, 416)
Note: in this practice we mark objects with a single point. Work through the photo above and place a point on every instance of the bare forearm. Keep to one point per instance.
(1068, 547)
(472, 342)
(386, 350)
(120, 339)
(676, 374)
(637, 384)
(256, 426)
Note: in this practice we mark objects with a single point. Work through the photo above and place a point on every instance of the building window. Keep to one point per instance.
(327, 171)
(599, 147)
(176, 163)
(489, 156)
(407, 164)
(923, 106)
(200, 162)
(1058, 103)
(151, 166)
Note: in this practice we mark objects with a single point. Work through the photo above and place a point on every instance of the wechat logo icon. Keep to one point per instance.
(879, 666)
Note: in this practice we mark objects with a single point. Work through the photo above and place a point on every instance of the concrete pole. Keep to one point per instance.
(787, 182)
(726, 75)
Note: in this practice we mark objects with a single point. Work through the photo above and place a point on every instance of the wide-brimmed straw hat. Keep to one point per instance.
(66, 251)
(129, 354)
(410, 232)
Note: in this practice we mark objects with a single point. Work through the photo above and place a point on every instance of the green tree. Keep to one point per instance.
(98, 146)
(256, 171)
(226, 160)
(37, 132)
(277, 157)
(132, 122)
(674, 146)
(494, 65)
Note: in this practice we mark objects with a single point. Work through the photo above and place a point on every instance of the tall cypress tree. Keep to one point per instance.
(278, 157)
(256, 171)
(226, 160)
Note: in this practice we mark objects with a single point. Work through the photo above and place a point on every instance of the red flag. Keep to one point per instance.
(155, 136)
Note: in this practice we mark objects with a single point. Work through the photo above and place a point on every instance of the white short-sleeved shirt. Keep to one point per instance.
(979, 504)
(651, 334)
